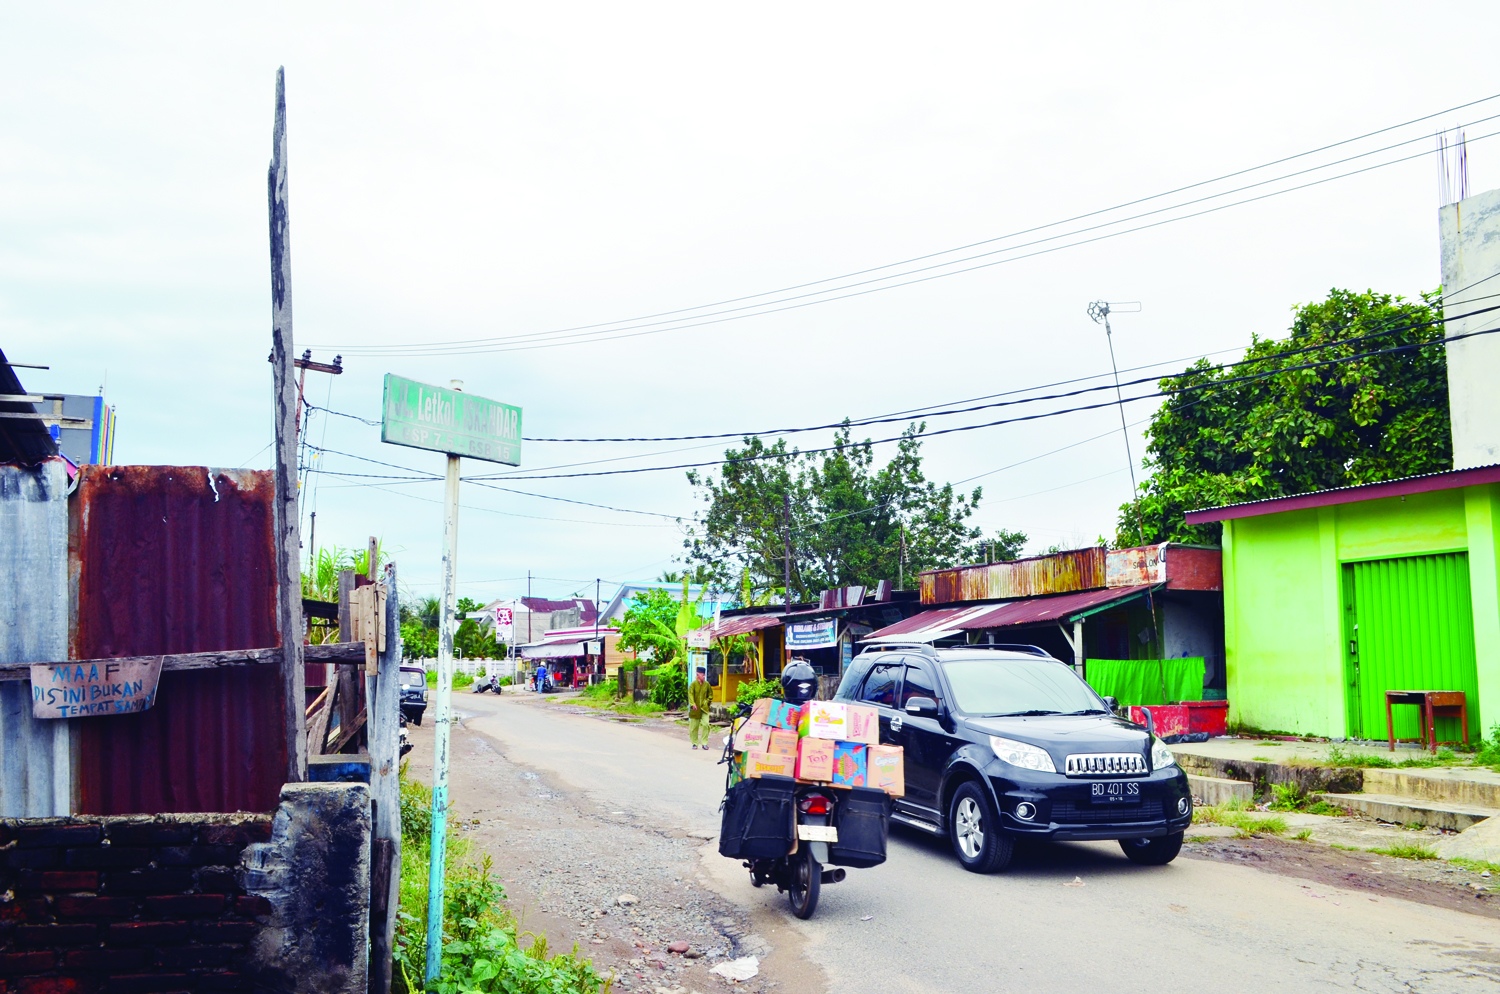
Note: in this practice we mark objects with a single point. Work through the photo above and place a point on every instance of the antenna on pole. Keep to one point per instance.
(1100, 311)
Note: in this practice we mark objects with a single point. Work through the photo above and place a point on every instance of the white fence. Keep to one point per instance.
(470, 667)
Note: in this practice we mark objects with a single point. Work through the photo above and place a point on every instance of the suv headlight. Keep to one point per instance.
(1022, 754)
(1161, 756)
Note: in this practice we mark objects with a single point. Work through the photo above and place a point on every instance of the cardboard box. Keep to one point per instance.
(849, 764)
(752, 736)
(861, 724)
(814, 759)
(774, 714)
(781, 742)
(822, 720)
(760, 764)
(737, 768)
(885, 767)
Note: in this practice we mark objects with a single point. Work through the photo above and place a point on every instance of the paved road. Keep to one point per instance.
(1192, 926)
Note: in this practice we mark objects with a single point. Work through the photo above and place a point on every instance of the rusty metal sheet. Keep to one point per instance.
(1130, 567)
(1194, 568)
(169, 559)
(1061, 572)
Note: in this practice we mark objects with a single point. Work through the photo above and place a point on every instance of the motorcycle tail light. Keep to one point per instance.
(814, 805)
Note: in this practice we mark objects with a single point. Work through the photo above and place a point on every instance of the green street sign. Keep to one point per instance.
(427, 417)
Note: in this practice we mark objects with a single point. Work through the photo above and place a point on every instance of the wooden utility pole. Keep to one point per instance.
(284, 401)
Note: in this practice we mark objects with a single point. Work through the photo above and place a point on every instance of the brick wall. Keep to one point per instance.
(126, 905)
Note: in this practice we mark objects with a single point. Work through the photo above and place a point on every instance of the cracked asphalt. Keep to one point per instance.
(577, 809)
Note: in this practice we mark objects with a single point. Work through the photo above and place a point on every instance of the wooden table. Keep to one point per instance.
(1434, 704)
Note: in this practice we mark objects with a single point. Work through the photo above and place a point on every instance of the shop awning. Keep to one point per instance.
(929, 626)
(563, 647)
(743, 625)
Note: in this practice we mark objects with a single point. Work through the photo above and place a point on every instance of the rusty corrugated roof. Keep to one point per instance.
(167, 559)
(942, 622)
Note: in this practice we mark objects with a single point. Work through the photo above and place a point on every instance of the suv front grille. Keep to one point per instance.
(1068, 813)
(1107, 764)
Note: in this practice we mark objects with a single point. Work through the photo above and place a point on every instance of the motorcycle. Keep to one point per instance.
(788, 832)
(490, 681)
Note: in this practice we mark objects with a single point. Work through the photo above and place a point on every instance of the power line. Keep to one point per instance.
(1026, 417)
(606, 328)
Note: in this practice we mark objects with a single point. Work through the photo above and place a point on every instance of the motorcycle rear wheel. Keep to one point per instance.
(806, 881)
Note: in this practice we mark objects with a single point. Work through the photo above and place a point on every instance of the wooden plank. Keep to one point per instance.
(317, 725)
(286, 410)
(347, 733)
(383, 691)
(342, 654)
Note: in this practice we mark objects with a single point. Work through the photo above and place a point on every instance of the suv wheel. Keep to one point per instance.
(1153, 852)
(974, 831)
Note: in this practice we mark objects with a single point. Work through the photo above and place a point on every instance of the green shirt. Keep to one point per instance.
(697, 698)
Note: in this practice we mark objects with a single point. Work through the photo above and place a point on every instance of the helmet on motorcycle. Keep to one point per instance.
(799, 682)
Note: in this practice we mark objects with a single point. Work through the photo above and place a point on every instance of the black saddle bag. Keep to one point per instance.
(760, 818)
(862, 817)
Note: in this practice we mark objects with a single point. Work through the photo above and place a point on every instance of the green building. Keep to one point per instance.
(1333, 598)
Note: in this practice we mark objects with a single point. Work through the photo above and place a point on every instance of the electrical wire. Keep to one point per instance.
(1004, 421)
(901, 416)
(600, 328)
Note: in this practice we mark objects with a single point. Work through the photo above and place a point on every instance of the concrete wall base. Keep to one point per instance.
(315, 875)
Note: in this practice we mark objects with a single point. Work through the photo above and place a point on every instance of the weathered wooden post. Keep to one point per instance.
(383, 697)
(284, 398)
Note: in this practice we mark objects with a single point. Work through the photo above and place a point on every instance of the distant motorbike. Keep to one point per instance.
(490, 681)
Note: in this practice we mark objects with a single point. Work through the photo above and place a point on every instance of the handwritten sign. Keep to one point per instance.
(77, 690)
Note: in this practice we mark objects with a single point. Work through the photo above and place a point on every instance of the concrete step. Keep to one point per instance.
(1217, 790)
(1402, 810)
(1474, 787)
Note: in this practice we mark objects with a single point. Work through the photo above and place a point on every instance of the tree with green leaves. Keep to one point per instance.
(852, 521)
(1278, 424)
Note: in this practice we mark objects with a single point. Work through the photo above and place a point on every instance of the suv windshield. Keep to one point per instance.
(411, 679)
(993, 687)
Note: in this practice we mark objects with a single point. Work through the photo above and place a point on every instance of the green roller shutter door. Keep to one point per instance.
(1413, 630)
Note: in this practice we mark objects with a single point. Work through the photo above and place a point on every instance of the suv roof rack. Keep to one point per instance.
(924, 647)
(1030, 650)
(927, 649)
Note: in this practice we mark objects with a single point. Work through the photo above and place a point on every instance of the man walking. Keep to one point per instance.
(698, 710)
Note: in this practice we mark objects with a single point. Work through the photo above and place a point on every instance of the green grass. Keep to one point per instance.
(1339, 756)
(1304, 836)
(1232, 814)
(1406, 850)
(482, 941)
(459, 679)
(1198, 838)
(1262, 759)
(1477, 865)
(602, 695)
(1326, 809)
(1335, 845)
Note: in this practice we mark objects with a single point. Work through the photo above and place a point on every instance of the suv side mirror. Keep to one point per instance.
(922, 706)
(1112, 704)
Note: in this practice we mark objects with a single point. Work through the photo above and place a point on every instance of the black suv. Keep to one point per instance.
(1008, 743)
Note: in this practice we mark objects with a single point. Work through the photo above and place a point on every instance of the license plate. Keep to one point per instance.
(817, 833)
(1115, 792)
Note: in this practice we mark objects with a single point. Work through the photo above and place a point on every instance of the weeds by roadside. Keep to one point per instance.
(1477, 865)
(482, 941)
(1406, 850)
(1233, 814)
(602, 695)
(1289, 796)
(1304, 836)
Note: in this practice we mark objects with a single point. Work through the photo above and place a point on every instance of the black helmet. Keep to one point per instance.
(799, 682)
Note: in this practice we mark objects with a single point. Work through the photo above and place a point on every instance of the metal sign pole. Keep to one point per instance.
(440, 725)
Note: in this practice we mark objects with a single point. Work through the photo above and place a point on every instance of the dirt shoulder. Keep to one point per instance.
(1431, 882)
(627, 894)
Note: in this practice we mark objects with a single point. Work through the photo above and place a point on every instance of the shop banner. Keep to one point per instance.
(812, 634)
(505, 618)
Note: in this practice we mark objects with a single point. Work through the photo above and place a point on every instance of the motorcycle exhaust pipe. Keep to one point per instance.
(833, 876)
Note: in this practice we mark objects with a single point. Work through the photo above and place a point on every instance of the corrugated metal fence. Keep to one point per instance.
(34, 775)
(166, 559)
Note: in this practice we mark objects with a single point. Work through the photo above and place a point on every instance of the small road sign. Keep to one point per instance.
(427, 417)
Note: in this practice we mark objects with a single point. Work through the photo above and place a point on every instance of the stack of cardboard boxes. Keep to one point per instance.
(825, 742)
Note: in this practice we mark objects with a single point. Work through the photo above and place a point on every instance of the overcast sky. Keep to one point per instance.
(502, 170)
